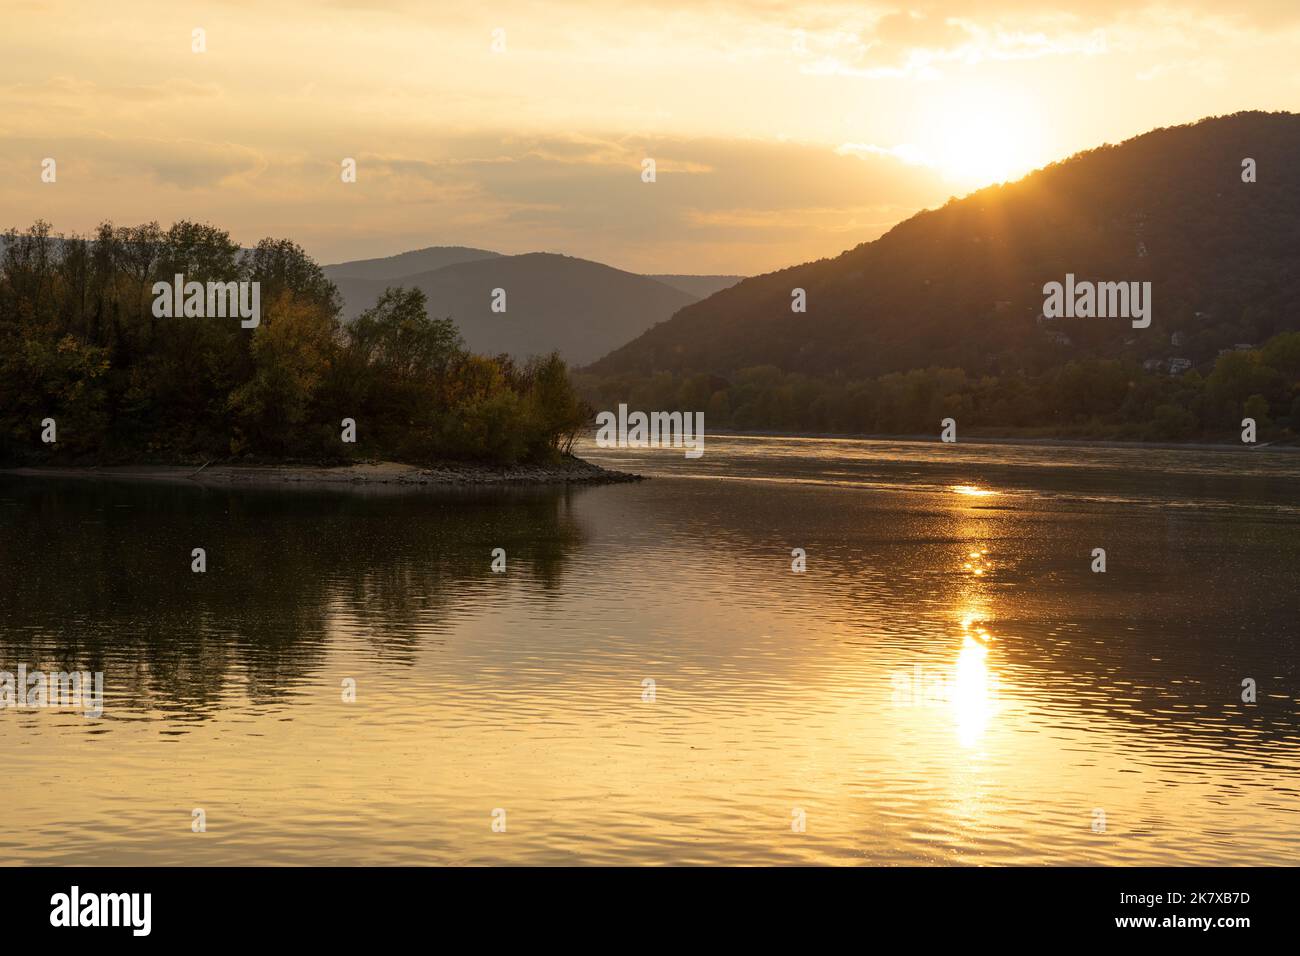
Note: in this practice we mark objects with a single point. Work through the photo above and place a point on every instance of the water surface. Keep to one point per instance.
(947, 682)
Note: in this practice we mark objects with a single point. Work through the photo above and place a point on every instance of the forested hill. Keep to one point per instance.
(962, 286)
(553, 303)
(406, 263)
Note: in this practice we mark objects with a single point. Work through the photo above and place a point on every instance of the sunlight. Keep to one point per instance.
(977, 137)
(971, 693)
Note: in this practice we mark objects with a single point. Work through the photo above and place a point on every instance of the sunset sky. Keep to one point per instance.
(781, 132)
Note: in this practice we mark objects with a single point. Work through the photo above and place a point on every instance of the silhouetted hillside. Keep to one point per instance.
(553, 303)
(407, 263)
(943, 316)
(962, 286)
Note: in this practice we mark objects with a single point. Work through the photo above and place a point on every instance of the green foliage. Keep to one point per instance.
(1088, 398)
(556, 407)
(495, 427)
(1172, 423)
(79, 343)
(397, 336)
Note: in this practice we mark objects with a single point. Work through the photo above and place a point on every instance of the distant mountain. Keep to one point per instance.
(553, 302)
(407, 263)
(962, 286)
(699, 286)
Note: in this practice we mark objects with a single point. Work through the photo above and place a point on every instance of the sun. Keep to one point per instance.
(976, 137)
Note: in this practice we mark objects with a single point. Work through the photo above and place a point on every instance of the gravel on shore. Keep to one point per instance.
(567, 471)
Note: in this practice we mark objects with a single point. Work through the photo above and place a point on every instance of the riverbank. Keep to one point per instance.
(568, 471)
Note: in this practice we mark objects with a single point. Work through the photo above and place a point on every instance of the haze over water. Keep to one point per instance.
(948, 682)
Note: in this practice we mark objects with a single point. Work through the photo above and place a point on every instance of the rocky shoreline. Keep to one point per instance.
(569, 471)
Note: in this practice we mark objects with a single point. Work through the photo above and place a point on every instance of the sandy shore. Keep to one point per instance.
(383, 473)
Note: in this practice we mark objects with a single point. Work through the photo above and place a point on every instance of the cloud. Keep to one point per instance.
(908, 153)
(717, 205)
(780, 131)
(108, 162)
(910, 44)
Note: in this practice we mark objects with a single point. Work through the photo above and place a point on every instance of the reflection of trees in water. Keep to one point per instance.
(97, 577)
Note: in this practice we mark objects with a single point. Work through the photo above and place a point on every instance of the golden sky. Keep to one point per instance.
(781, 132)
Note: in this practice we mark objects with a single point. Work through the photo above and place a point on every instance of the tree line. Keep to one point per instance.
(80, 344)
(1088, 398)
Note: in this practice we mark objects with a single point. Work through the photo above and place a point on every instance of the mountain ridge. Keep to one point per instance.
(553, 302)
(407, 263)
(961, 285)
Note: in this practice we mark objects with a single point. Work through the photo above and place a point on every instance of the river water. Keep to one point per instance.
(651, 680)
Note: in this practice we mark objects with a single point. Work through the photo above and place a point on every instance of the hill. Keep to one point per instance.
(553, 302)
(944, 314)
(406, 263)
(962, 286)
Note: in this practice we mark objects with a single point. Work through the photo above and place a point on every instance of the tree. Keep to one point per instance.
(559, 410)
(293, 352)
(397, 335)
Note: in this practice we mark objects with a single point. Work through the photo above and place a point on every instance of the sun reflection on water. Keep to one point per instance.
(972, 694)
(973, 690)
